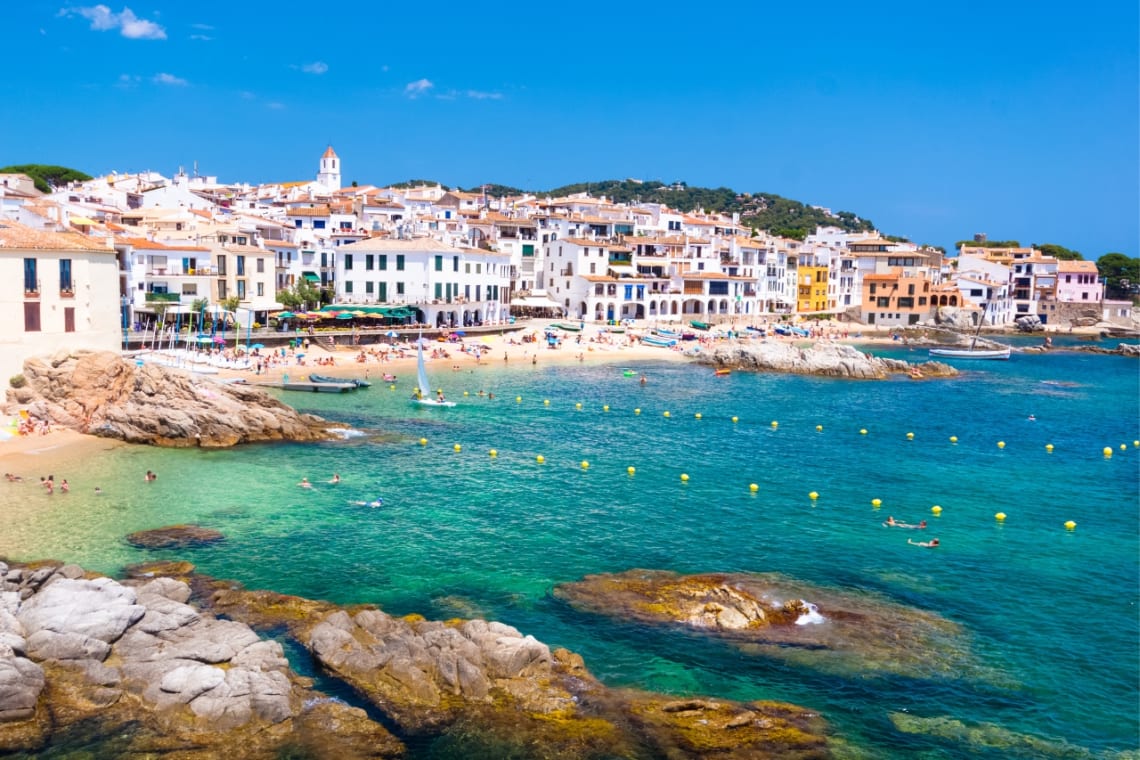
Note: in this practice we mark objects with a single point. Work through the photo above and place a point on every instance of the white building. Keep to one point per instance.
(58, 290)
(444, 284)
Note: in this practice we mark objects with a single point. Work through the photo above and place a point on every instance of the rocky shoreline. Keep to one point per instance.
(823, 358)
(170, 662)
(103, 394)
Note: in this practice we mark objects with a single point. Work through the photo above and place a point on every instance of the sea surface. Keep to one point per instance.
(1049, 615)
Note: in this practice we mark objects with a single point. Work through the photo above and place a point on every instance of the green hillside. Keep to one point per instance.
(760, 211)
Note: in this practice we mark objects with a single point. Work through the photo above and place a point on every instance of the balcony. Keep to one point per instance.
(163, 297)
(31, 289)
(67, 292)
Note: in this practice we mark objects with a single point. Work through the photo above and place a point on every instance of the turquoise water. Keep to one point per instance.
(1052, 613)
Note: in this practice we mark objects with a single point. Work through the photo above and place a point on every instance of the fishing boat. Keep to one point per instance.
(351, 380)
(423, 395)
(700, 325)
(662, 332)
(654, 340)
(566, 327)
(973, 352)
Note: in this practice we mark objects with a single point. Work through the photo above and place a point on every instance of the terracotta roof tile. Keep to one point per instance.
(16, 236)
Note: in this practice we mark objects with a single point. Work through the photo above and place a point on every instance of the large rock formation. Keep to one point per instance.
(853, 634)
(822, 358)
(137, 665)
(100, 393)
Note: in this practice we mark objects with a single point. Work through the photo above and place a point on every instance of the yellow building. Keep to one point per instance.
(811, 294)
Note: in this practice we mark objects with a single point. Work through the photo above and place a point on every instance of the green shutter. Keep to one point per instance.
(528, 250)
(383, 292)
(439, 263)
(438, 290)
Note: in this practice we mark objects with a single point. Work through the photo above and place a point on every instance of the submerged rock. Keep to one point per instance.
(848, 633)
(102, 394)
(174, 537)
(822, 358)
(980, 737)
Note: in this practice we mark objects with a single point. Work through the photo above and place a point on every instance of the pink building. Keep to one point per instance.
(1078, 281)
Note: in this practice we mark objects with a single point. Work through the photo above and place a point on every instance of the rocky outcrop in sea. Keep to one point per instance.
(821, 358)
(103, 394)
(768, 615)
(171, 663)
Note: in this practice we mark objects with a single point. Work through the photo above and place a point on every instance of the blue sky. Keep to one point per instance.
(935, 121)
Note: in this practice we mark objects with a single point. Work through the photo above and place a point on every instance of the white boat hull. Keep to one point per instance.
(966, 353)
(432, 402)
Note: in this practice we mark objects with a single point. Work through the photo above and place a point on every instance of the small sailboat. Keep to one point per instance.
(973, 352)
(423, 395)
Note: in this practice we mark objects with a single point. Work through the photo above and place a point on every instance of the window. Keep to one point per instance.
(31, 283)
(872, 288)
(369, 288)
(222, 268)
(261, 266)
(260, 289)
(31, 316)
(910, 289)
(399, 288)
(69, 319)
(883, 302)
(348, 262)
(241, 289)
(454, 263)
(399, 262)
(478, 270)
(297, 223)
(382, 262)
(438, 290)
(318, 224)
(241, 266)
(383, 292)
(65, 276)
(370, 262)
(324, 260)
(439, 263)
(223, 293)
(348, 287)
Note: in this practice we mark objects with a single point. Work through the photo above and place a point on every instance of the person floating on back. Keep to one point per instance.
(928, 544)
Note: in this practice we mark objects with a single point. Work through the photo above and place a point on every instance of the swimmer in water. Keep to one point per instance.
(335, 478)
(305, 483)
(928, 544)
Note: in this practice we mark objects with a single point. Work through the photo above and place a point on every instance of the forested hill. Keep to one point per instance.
(761, 211)
(47, 176)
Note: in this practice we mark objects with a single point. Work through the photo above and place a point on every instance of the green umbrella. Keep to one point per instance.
(285, 315)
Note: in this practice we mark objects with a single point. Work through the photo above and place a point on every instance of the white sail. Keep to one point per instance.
(421, 372)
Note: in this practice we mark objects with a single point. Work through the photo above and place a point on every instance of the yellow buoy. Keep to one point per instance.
(540, 459)
(697, 415)
(953, 439)
(494, 453)
(1049, 447)
(735, 420)
(606, 408)
(1000, 516)
(637, 411)
(578, 405)
(666, 414)
(863, 431)
(1136, 443)
(775, 423)
(876, 503)
(1001, 444)
(546, 402)
(753, 487)
(1124, 447)
(585, 465)
(936, 510)
(457, 447)
(423, 441)
(910, 436)
(1107, 452)
(391, 387)
(631, 470)
(813, 495)
(819, 428)
(684, 478)
(518, 399)
(1070, 525)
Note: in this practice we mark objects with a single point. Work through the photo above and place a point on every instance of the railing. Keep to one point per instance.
(163, 297)
(32, 292)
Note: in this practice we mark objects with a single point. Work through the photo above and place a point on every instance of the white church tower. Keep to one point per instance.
(329, 175)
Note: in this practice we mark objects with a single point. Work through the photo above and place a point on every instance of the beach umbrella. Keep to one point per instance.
(359, 314)
(284, 315)
(459, 332)
(344, 315)
(258, 345)
(391, 334)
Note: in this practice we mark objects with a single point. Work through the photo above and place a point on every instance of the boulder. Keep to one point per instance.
(822, 358)
(101, 393)
(1029, 323)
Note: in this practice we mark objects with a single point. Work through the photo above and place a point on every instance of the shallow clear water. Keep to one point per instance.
(1050, 614)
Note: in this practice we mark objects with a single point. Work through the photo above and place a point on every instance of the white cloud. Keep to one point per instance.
(316, 67)
(201, 37)
(127, 80)
(129, 25)
(169, 79)
(480, 95)
(275, 106)
(418, 87)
